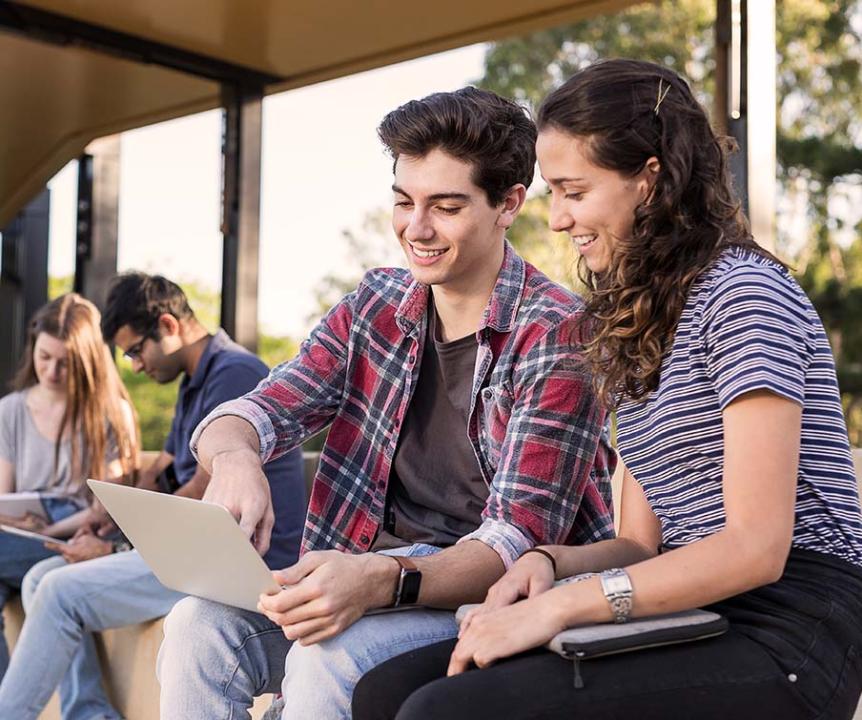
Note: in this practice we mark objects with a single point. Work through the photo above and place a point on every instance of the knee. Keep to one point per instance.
(372, 697)
(181, 635)
(46, 592)
(33, 579)
(192, 618)
(428, 703)
(309, 660)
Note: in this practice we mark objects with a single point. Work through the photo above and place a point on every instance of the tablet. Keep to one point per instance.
(193, 547)
(32, 535)
(18, 504)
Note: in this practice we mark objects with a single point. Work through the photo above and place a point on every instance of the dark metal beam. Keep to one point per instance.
(731, 96)
(98, 218)
(241, 157)
(58, 29)
(23, 280)
(745, 105)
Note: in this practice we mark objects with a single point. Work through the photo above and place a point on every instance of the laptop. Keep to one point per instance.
(193, 547)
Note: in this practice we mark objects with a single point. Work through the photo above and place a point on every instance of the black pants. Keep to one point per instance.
(792, 651)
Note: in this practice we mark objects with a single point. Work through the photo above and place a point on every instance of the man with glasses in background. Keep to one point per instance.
(149, 319)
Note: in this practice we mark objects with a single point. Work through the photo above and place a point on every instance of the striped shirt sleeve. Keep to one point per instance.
(756, 334)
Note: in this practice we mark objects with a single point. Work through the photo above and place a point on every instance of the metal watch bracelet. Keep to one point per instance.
(617, 587)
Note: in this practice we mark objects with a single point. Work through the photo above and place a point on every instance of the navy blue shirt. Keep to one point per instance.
(226, 371)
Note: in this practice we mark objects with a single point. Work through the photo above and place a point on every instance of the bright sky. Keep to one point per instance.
(323, 171)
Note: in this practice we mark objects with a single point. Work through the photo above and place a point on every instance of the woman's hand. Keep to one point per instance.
(31, 522)
(530, 576)
(506, 631)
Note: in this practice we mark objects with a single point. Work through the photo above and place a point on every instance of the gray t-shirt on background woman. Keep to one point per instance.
(32, 454)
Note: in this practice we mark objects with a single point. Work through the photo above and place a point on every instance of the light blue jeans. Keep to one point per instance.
(18, 555)
(65, 604)
(215, 659)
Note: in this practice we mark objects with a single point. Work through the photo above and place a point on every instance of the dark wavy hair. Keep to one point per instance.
(494, 134)
(689, 218)
(139, 300)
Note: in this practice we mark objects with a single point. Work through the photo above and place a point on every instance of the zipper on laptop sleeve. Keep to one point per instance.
(579, 680)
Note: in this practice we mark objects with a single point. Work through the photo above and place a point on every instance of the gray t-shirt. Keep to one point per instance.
(436, 490)
(32, 454)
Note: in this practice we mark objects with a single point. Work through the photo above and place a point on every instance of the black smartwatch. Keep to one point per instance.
(409, 581)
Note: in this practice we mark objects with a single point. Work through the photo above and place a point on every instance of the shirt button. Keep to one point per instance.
(364, 539)
(411, 360)
(792, 677)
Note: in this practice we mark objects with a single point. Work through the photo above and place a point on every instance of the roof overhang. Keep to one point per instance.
(75, 70)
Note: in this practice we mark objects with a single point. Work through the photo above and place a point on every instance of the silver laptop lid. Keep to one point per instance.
(193, 547)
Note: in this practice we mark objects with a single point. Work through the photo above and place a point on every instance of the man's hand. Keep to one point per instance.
(327, 591)
(97, 521)
(83, 546)
(238, 484)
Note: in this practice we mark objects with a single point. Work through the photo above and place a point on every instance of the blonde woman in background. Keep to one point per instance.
(68, 418)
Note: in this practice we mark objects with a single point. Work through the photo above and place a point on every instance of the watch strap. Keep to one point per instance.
(409, 580)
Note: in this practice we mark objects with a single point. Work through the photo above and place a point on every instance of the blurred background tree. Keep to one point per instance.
(819, 182)
(819, 75)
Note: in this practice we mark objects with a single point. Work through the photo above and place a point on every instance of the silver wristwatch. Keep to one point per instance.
(617, 588)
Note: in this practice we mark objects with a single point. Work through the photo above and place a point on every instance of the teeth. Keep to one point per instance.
(582, 240)
(427, 253)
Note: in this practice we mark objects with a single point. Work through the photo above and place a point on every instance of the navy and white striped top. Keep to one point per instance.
(746, 325)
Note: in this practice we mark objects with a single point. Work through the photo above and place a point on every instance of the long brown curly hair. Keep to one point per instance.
(97, 403)
(689, 218)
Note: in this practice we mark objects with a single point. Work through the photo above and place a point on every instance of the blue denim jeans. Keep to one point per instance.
(65, 604)
(17, 555)
(215, 659)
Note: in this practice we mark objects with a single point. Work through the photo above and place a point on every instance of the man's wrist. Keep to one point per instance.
(383, 572)
(233, 457)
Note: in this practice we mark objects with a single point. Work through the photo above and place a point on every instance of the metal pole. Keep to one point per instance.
(23, 280)
(98, 218)
(241, 157)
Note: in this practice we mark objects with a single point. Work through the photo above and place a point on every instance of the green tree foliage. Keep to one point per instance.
(373, 245)
(678, 34)
(819, 136)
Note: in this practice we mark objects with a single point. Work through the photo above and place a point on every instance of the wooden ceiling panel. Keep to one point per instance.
(56, 98)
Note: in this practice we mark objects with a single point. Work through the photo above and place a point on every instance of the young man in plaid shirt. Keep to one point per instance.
(463, 432)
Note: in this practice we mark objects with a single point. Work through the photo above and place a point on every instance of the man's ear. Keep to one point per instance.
(511, 206)
(168, 325)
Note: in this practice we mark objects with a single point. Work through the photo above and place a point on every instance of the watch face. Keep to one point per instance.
(616, 584)
(410, 587)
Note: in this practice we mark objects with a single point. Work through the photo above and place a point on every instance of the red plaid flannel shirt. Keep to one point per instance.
(539, 434)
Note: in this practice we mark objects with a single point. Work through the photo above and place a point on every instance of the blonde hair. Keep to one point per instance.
(97, 402)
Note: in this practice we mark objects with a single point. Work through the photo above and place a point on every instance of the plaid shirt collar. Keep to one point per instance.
(502, 307)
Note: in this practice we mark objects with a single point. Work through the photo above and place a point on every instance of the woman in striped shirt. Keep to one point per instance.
(739, 492)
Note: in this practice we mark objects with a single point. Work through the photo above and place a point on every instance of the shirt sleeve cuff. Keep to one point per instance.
(505, 539)
(248, 411)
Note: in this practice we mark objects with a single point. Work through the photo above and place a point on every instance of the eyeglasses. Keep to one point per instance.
(134, 352)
